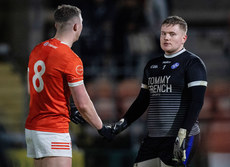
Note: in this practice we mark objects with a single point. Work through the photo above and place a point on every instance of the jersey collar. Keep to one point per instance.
(174, 55)
(64, 43)
(61, 42)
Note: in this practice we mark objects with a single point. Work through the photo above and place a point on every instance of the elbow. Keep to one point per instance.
(83, 107)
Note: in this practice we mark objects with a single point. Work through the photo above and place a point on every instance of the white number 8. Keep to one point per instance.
(38, 75)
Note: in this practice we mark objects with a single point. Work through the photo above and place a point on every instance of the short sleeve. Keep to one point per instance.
(74, 72)
(196, 73)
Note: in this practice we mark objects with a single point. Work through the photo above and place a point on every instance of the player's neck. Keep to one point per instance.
(175, 54)
(65, 39)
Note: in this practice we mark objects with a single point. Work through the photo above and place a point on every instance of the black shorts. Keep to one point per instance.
(162, 147)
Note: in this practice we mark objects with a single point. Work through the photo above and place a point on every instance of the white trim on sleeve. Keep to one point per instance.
(76, 83)
(197, 83)
(144, 86)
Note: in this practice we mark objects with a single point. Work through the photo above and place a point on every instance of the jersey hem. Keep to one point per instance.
(49, 130)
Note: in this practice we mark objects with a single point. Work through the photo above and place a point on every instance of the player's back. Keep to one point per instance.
(49, 90)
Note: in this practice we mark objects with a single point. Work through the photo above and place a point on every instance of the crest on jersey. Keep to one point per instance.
(175, 65)
(79, 70)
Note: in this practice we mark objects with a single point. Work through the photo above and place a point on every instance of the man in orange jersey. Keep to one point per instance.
(54, 73)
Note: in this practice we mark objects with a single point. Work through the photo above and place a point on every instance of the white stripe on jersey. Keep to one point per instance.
(144, 86)
(75, 83)
(197, 83)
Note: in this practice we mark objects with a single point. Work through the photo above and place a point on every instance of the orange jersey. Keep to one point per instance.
(53, 68)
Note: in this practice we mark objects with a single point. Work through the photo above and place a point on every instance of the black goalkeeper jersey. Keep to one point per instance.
(168, 79)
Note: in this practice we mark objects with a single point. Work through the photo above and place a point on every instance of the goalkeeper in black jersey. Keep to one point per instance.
(172, 92)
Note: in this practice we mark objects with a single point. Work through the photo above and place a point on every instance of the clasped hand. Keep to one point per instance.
(107, 131)
(110, 131)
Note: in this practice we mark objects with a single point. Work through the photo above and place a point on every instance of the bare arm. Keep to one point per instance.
(85, 106)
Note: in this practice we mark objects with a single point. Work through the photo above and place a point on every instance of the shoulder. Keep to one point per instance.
(194, 66)
(193, 58)
(73, 57)
(66, 54)
(39, 46)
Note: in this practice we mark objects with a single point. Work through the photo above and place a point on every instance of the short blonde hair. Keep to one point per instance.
(176, 20)
(66, 12)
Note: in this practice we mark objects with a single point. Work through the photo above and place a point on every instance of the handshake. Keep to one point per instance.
(107, 131)
(110, 131)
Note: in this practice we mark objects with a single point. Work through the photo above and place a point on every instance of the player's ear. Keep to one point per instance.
(75, 27)
(56, 25)
(185, 38)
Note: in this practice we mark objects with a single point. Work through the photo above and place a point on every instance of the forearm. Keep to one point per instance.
(192, 115)
(89, 113)
(197, 99)
(138, 107)
(85, 106)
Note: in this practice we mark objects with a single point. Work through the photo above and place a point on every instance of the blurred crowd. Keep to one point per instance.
(119, 36)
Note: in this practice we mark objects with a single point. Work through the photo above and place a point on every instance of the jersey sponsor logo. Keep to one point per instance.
(153, 66)
(166, 62)
(159, 85)
(50, 45)
(175, 65)
(79, 70)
